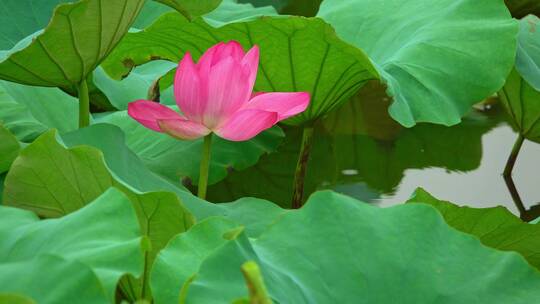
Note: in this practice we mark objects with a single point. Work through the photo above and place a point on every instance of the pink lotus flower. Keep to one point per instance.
(215, 95)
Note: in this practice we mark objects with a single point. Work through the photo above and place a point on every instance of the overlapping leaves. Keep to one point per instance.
(495, 227)
(95, 245)
(297, 54)
(297, 255)
(53, 181)
(167, 156)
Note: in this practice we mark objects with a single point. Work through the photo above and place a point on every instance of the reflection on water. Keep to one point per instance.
(483, 186)
(360, 151)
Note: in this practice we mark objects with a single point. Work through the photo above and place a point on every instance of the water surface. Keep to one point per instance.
(360, 151)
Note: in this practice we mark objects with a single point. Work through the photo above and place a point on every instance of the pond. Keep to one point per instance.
(377, 161)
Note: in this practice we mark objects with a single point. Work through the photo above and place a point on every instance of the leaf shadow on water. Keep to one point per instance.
(361, 151)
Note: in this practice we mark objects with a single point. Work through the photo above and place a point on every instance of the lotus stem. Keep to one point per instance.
(254, 280)
(84, 105)
(205, 165)
(301, 166)
(513, 156)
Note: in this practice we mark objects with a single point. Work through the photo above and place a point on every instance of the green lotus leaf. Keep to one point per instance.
(528, 52)
(9, 148)
(180, 261)
(22, 18)
(522, 8)
(104, 235)
(192, 8)
(53, 181)
(297, 54)
(495, 227)
(135, 86)
(175, 160)
(227, 12)
(59, 281)
(79, 36)
(521, 93)
(17, 118)
(230, 11)
(149, 13)
(522, 102)
(297, 256)
(42, 104)
(437, 58)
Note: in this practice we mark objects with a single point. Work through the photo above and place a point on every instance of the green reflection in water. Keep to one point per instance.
(360, 151)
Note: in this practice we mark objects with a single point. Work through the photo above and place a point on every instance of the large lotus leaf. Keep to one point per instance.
(175, 159)
(522, 102)
(79, 36)
(528, 52)
(43, 104)
(105, 235)
(495, 227)
(437, 58)
(9, 148)
(21, 18)
(521, 8)
(297, 54)
(192, 8)
(53, 181)
(50, 279)
(338, 250)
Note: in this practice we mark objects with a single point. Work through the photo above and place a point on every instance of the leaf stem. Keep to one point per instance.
(301, 166)
(205, 165)
(513, 156)
(255, 283)
(84, 104)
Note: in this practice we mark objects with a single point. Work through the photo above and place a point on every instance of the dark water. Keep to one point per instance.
(360, 151)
